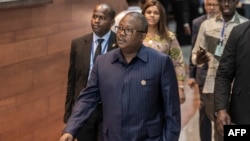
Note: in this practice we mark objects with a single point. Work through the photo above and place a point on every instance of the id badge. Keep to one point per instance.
(219, 50)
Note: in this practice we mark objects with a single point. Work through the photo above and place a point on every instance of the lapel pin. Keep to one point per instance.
(143, 82)
(114, 44)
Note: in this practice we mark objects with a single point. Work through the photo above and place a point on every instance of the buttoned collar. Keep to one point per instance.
(142, 55)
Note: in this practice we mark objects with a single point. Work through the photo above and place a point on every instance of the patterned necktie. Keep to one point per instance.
(98, 49)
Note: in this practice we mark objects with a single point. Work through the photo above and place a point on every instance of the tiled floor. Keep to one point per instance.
(190, 114)
(190, 132)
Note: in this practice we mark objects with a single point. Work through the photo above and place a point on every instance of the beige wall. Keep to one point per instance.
(34, 56)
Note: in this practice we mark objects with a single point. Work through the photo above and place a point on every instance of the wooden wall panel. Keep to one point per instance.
(51, 71)
(23, 114)
(35, 44)
(36, 32)
(21, 51)
(51, 14)
(6, 103)
(13, 20)
(55, 89)
(6, 38)
(14, 84)
(62, 41)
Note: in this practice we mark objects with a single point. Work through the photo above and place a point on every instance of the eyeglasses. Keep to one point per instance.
(127, 31)
(227, 1)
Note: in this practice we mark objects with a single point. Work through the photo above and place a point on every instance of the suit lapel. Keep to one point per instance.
(87, 45)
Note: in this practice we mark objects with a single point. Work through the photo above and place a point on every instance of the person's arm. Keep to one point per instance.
(224, 78)
(171, 103)
(222, 119)
(70, 85)
(178, 61)
(85, 105)
(66, 137)
(200, 42)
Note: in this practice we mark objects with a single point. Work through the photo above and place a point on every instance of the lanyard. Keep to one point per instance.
(222, 33)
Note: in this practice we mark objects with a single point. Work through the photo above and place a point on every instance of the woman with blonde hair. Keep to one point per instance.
(162, 39)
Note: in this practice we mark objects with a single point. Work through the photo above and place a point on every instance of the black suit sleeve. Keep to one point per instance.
(70, 85)
(226, 72)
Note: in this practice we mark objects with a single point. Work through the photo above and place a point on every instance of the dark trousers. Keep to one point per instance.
(92, 130)
(204, 122)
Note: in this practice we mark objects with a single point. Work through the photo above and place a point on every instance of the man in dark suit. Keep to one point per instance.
(82, 57)
(185, 11)
(137, 86)
(211, 40)
(232, 101)
(198, 74)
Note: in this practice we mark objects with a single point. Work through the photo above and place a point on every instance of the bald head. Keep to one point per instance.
(108, 8)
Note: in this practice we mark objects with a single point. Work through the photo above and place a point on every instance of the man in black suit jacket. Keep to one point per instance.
(232, 105)
(81, 62)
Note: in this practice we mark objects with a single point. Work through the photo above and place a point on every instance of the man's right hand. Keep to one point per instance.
(66, 137)
(202, 57)
(222, 119)
(191, 82)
